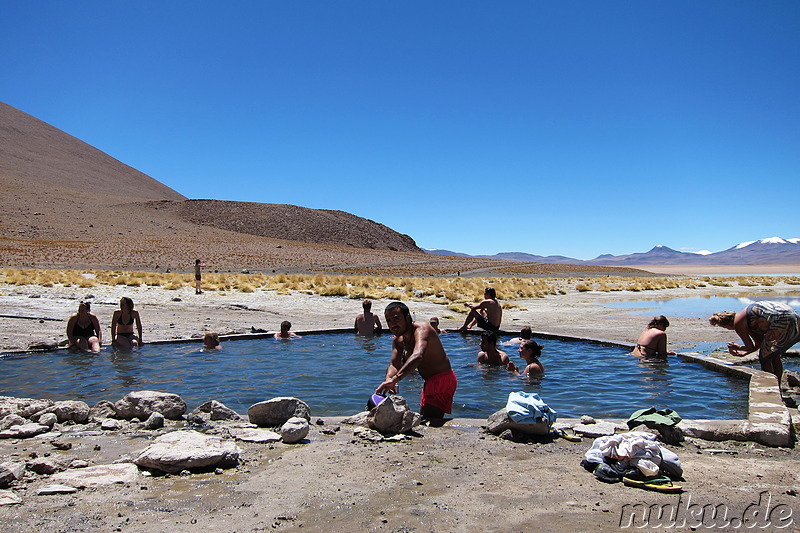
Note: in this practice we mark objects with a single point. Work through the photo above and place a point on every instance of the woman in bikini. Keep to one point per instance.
(653, 340)
(83, 330)
(769, 327)
(122, 322)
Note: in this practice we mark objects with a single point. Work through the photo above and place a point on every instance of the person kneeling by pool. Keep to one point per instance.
(416, 346)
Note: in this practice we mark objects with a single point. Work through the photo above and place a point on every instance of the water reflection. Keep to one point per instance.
(696, 306)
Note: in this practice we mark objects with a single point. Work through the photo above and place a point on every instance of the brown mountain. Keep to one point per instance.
(68, 205)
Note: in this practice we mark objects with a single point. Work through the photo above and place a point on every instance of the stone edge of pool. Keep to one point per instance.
(769, 420)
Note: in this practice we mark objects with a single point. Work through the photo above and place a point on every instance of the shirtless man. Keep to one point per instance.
(487, 315)
(367, 323)
(284, 333)
(416, 346)
(489, 354)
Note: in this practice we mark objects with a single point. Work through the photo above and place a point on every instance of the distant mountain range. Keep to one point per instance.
(771, 251)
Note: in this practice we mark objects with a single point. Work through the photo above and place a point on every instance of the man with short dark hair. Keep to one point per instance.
(367, 323)
(487, 315)
(416, 346)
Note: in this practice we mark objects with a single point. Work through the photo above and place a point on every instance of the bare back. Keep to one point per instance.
(425, 342)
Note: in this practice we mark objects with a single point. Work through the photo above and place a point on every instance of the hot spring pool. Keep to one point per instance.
(336, 372)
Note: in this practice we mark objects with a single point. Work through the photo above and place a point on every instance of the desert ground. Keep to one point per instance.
(453, 478)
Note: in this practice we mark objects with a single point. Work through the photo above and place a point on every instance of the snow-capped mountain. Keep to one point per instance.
(770, 251)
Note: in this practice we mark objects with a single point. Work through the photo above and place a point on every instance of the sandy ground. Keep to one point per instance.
(455, 478)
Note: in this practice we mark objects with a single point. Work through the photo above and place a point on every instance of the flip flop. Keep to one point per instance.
(568, 434)
(656, 483)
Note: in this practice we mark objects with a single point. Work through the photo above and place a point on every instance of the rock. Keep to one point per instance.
(17, 469)
(11, 420)
(48, 419)
(392, 416)
(141, 404)
(181, 450)
(24, 407)
(500, 421)
(49, 490)
(9, 498)
(23, 431)
(597, 429)
(275, 412)
(43, 344)
(99, 475)
(61, 445)
(586, 419)
(67, 410)
(358, 419)
(218, 411)
(294, 430)
(45, 465)
(367, 434)
(254, 435)
(110, 424)
(102, 409)
(6, 477)
(792, 379)
(154, 421)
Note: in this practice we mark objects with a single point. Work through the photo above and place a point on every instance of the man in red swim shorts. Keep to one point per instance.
(416, 346)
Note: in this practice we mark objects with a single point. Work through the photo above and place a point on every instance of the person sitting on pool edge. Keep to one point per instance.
(653, 340)
(416, 346)
(530, 351)
(284, 333)
(83, 330)
(524, 334)
(489, 354)
(486, 315)
(211, 341)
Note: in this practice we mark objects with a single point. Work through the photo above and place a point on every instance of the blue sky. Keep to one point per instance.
(571, 128)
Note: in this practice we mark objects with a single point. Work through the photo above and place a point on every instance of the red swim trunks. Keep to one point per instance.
(439, 390)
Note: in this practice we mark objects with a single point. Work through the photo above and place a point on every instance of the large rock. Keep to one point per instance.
(23, 431)
(9, 498)
(6, 477)
(103, 409)
(141, 404)
(275, 412)
(294, 430)
(182, 450)
(500, 421)
(261, 436)
(73, 410)
(11, 420)
(95, 476)
(218, 411)
(392, 416)
(24, 407)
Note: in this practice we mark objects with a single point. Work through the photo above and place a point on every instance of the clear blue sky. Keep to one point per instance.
(573, 128)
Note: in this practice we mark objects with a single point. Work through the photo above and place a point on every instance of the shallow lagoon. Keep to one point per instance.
(336, 373)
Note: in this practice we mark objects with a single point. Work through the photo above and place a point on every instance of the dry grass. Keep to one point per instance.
(450, 291)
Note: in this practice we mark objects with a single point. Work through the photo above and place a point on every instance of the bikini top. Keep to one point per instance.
(121, 323)
(84, 331)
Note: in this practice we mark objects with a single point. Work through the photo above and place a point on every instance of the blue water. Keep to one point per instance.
(696, 306)
(336, 373)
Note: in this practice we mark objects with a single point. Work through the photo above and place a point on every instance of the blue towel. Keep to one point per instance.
(528, 408)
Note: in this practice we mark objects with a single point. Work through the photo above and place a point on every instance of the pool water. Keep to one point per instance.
(336, 373)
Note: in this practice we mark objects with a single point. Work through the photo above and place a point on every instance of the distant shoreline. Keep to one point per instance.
(711, 270)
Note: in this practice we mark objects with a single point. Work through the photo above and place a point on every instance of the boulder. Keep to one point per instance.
(95, 476)
(17, 469)
(9, 498)
(73, 410)
(102, 409)
(46, 465)
(275, 412)
(141, 404)
(294, 430)
(24, 407)
(110, 424)
(218, 411)
(48, 419)
(182, 450)
(23, 431)
(11, 420)
(6, 477)
(392, 416)
(254, 435)
(154, 421)
(500, 421)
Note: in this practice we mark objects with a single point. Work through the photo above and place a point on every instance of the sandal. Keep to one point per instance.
(568, 434)
(656, 483)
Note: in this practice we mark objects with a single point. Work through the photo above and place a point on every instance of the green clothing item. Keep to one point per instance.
(654, 418)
